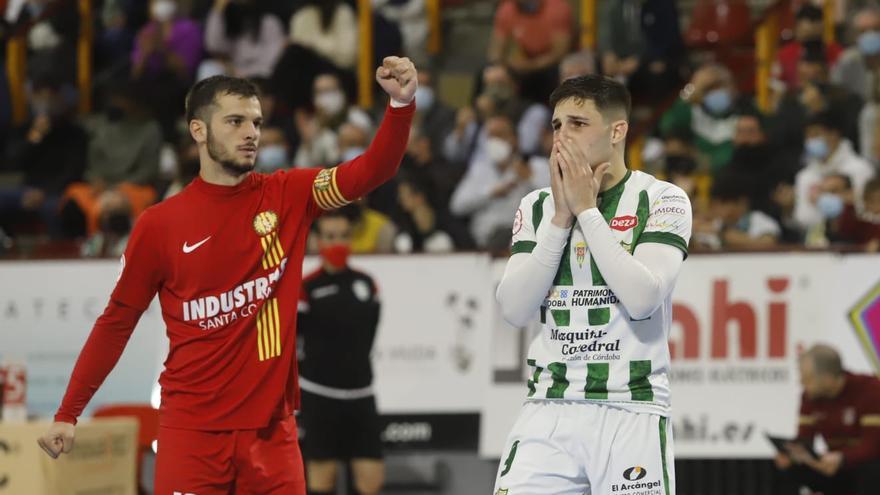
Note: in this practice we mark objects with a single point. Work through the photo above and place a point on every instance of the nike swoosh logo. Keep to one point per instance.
(188, 249)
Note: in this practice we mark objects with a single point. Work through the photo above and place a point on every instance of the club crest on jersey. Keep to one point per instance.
(501, 491)
(265, 222)
(624, 223)
(580, 252)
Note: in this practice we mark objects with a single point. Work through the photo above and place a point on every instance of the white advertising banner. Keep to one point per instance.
(430, 355)
(47, 309)
(433, 344)
(739, 322)
(442, 347)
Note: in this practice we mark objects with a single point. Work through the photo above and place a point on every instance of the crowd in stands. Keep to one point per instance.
(801, 173)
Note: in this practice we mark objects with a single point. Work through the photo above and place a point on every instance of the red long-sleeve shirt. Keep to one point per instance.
(849, 423)
(227, 265)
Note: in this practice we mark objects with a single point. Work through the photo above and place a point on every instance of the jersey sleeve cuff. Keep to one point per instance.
(65, 418)
(669, 238)
(399, 108)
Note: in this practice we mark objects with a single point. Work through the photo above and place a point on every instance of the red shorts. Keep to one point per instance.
(244, 462)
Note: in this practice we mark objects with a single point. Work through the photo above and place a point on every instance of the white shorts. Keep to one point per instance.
(580, 448)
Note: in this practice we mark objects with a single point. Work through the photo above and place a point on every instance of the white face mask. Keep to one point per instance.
(331, 102)
(498, 149)
(352, 153)
(163, 10)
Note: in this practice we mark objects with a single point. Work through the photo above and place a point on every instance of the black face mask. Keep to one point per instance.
(752, 156)
(117, 223)
(114, 113)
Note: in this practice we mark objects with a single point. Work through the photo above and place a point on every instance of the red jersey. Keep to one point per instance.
(849, 423)
(227, 265)
(789, 56)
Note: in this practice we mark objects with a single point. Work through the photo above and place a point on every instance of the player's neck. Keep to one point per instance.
(615, 173)
(213, 173)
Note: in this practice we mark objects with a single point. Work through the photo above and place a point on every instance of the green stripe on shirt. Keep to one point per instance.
(669, 238)
(523, 247)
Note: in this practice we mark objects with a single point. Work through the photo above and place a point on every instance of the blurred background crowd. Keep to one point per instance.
(765, 112)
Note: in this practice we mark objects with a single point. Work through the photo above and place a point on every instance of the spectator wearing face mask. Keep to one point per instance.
(432, 169)
(815, 94)
(435, 118)
(858, 68)
(244, 34)
(123, 154)
(51, 40)
(740, 225)
(531, 37)
(274, 151)
(809, 28)
(707, 108)
(51, 154)
(835, 195)
(110, 239)
(499, 96)
(493, 186)
(641, 45)
(781, 208)
(826, 152)
(423, 228)
(169, 42)
(319, 140)
(859, 226)
(166, 53)
(757, 161)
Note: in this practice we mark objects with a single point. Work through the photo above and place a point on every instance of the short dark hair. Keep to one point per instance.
(606, 93)
(729, 186)
(809, 12)
(826, 360)
(349, 212)
(417, 182)
(829, 119)
(204, 94)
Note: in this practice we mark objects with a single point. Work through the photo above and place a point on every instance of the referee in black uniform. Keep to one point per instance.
(338, 315)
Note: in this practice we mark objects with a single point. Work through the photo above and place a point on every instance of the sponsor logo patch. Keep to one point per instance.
(624, 223)
(635, 473)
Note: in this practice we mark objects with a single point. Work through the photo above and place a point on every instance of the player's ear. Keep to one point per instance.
(198, 130)
(618, 131)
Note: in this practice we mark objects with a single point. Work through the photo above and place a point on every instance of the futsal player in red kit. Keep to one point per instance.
(225, 256)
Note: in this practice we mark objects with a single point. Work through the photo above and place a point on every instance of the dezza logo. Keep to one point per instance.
(635, 473)
(624, 223)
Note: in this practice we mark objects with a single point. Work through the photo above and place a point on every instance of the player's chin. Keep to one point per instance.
(240, 167)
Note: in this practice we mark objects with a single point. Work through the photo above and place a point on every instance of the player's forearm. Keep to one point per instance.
(641, 285)
(97, 358)
(381, 160)
(527, 277)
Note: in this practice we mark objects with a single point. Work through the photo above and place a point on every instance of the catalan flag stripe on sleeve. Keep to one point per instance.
(326, 190)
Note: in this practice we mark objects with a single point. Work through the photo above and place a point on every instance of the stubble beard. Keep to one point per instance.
(229, 164)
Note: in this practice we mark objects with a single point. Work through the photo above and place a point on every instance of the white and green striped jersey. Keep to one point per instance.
(589, 348)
